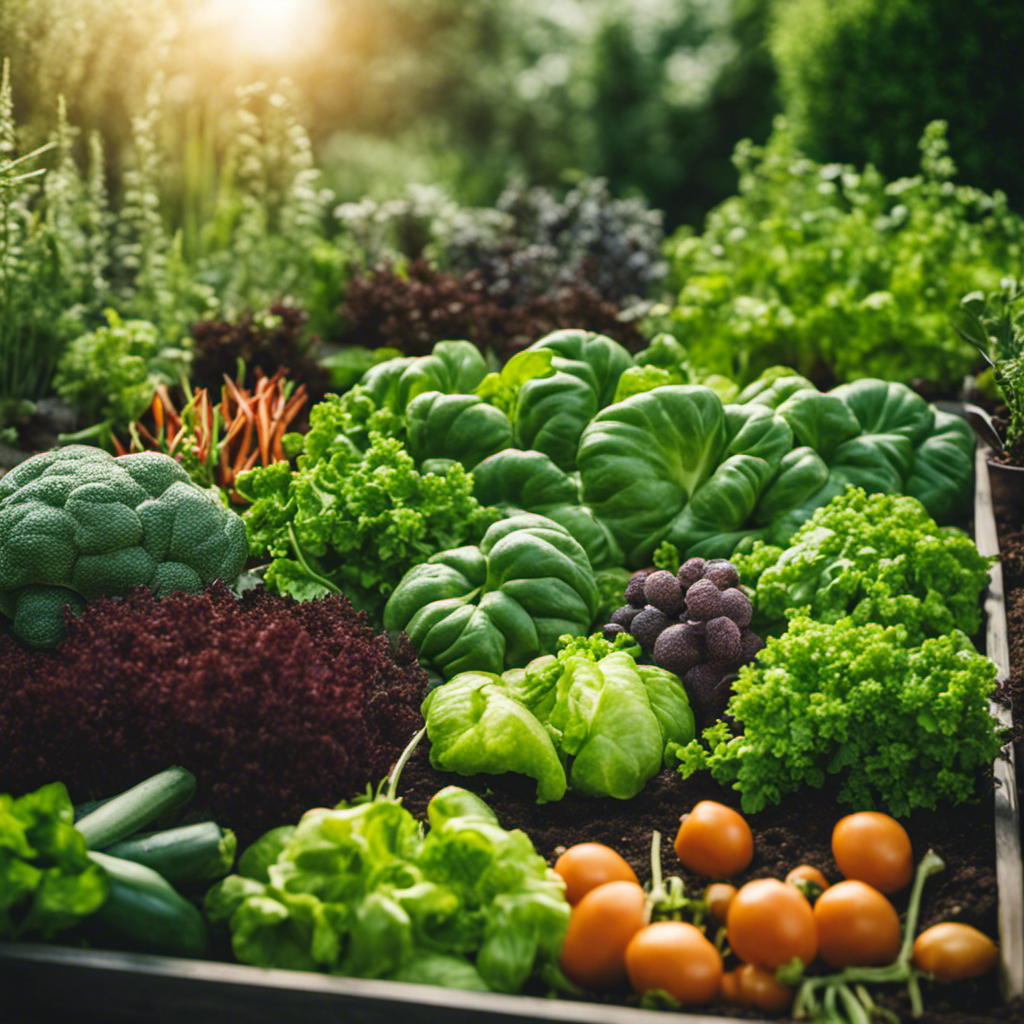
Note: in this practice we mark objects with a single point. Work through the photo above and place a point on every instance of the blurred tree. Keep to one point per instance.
(651, 94)
(862, 78)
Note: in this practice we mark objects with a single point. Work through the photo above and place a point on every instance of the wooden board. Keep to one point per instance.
(1009, 875)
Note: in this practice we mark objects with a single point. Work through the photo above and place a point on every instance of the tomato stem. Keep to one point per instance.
(859, 1007)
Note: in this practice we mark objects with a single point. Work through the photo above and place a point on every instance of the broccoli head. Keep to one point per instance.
(76, 523)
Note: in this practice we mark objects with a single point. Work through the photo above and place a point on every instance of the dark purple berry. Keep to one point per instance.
(610, 630)
(678, 649)
(690, 571)
(624, 615)
(722, 573)
(750, 644)
(709, 689)
(737, 606)
(648, 625)
(703, 601)
(635, 588)
(722, 638)
(662, 590)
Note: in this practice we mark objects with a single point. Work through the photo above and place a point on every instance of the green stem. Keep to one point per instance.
(101, 429)
(301, 559)
(930, 863)
(855, 1011)
(657, 882)
(901, 970)
(391, 787)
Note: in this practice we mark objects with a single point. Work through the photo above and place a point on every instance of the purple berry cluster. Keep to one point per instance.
(695, 623)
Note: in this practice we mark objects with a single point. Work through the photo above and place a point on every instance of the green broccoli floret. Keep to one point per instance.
(903, 726)
(880, 558)
(77, 524)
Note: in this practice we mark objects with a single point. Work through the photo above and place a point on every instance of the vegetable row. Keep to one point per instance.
(363, 889)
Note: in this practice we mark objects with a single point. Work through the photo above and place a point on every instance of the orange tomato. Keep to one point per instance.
(769, 923)
(677, 957)
(600, 927)
(714, 840)
(808, 881)
(585, 866)
(749, 985)
(857, 926)
(807, 873)
(953, 951)
(718, 897)
(872, 847)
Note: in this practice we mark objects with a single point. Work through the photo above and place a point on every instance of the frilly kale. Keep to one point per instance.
(352, 520)
(878, 558)
(902, 726)
(345, 422)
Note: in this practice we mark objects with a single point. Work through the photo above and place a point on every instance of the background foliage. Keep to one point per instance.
(860, 79)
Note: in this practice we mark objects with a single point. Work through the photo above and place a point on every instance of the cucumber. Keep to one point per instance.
(188, 854)
(144, 908)
(126, 813)
(88, 806)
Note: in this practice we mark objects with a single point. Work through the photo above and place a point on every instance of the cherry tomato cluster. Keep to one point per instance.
(767, 923)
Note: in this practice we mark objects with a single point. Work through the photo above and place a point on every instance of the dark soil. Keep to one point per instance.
(797, 831)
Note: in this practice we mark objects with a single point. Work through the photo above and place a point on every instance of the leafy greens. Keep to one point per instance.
(359, 890)
(47, 881)
(588, 717)
(879, 558)
(902, 726)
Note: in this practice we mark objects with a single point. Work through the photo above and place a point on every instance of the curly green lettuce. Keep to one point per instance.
(901, 726)
(352, 521)
(878, 558)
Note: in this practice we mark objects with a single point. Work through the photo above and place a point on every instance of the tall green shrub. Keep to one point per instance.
(860, 79)
(837, 272)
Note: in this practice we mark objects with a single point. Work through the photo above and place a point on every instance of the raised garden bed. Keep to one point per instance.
(981, 886)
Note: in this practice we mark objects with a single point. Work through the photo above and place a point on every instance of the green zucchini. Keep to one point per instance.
(88, 806)
(187, 854)
(144, 908)
(137, 807)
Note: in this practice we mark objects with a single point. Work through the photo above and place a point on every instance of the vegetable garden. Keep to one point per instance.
(531, 608)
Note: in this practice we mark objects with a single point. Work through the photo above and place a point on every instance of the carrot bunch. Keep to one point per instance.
(219, 441)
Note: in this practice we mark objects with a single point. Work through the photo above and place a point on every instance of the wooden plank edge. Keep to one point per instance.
(1009, 870)
(97, 985)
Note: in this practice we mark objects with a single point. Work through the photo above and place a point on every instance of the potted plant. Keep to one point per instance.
(994, 324)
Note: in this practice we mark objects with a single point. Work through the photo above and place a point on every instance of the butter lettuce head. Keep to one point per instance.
(453, 367)
(47, 881)
(358, 890)
(675, 464)
(530, 481)
(476, 725)
(601, 725)
(497, 605)
(604, 723)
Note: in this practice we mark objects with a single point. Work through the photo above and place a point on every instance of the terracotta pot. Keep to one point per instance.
(1007, 483)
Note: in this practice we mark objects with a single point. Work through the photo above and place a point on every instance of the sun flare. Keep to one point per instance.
(271, 29)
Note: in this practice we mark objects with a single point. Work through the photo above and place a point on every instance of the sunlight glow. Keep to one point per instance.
(271, 29)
